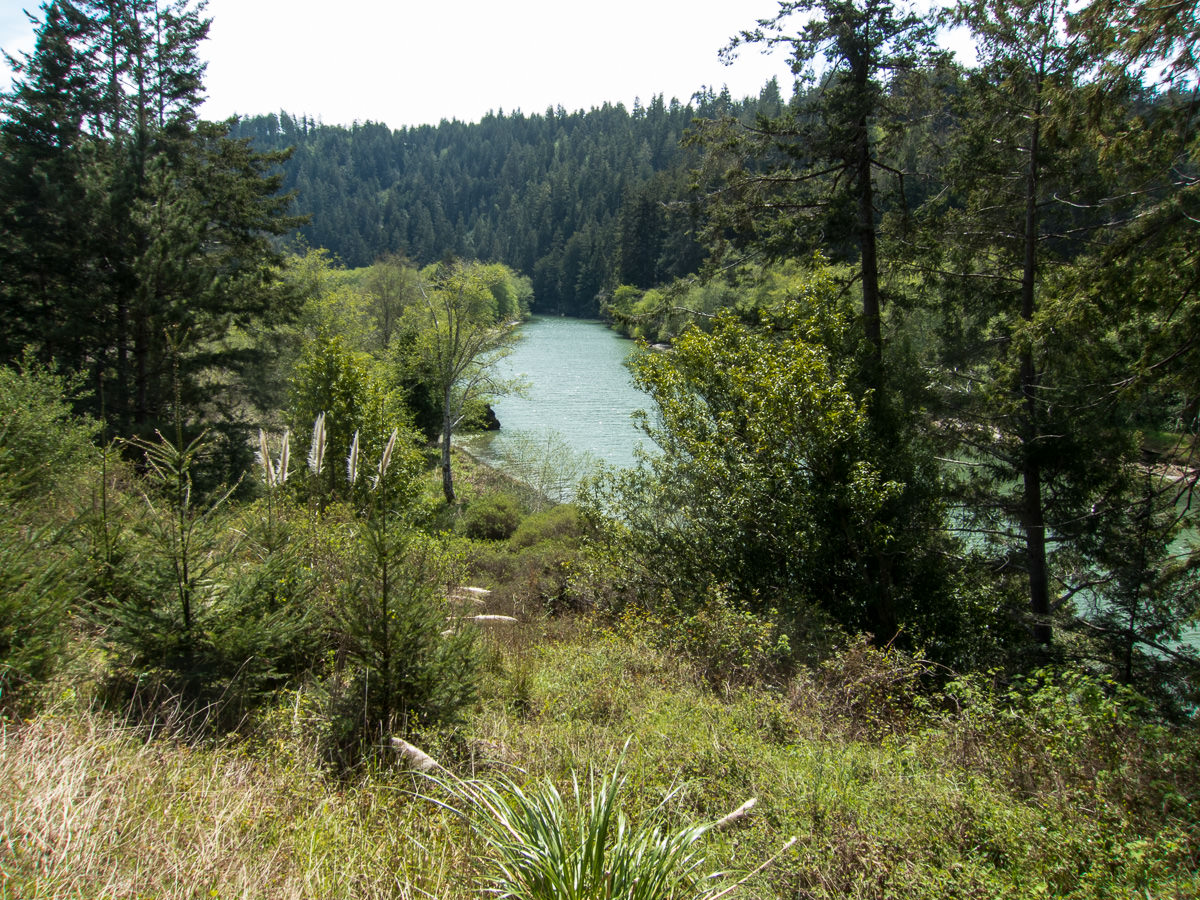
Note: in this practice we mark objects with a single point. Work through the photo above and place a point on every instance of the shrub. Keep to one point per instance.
(204, 607)
(492, 518)
(41, 440)
(728, 646)
(558, 523)
(401, 663)
(37, 586)
(41, 444)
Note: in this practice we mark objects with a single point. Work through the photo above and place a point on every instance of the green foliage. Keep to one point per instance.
(1040, 394)
(778, 481)
(137, 238)
(335, 305)
(534, 572)
(456, 344)
(195, 612)
(356, 398)
(219, 607)
(539, 848)
(494, 517)
(1053, 786)
(730, 647)
(42, 442)
(568, 198)
(558, 523)
(407, 665)
(265, 630)
(45, 449)
(400, 662)
(39, 582)
(1133, 623)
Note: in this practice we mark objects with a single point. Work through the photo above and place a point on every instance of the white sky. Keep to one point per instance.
(411, 62)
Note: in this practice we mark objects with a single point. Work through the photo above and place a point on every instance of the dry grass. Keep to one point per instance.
(89, 808)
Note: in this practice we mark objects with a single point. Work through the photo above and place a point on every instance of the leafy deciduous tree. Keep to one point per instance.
(772, 486)
(459, 343)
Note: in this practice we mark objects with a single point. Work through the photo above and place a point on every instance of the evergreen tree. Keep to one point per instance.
(1027, 368)
(807, 180)
(164, 248)
(47, 279)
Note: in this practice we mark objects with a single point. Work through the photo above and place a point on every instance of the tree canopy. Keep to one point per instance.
(136, 237)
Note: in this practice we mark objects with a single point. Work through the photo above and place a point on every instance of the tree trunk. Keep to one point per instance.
(447, 430)
(871, 304)
(124, 388)
(1033, 519)
(883, 614)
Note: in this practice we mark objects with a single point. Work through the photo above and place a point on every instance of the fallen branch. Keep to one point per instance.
(738, 814)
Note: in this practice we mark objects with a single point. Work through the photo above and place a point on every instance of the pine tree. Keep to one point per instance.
(171, 245)
(46, 227)
(809, 180)
(1031, 362)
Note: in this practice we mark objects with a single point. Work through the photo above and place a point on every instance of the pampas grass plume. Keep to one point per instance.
(352, 461)
(316, 450)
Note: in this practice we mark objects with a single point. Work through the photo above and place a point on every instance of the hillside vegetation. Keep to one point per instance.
(911, 567)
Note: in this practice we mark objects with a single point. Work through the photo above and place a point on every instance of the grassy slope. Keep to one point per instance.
(1056, 799)
(891, 793)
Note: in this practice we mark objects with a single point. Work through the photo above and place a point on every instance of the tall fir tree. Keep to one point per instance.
(810, 180)
(1027, 368)
(46, 276)
(170, 249)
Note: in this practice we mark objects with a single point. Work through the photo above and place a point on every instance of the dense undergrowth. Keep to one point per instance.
(1049, 788)
(254, 755)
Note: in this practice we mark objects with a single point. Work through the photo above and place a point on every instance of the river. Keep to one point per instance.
(576, 410)
(579, 397)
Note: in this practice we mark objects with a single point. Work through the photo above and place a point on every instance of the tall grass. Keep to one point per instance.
(92, 808)
(1050, 790)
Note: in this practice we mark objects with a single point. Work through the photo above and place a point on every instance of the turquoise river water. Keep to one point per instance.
(579, 394)
(579, 398)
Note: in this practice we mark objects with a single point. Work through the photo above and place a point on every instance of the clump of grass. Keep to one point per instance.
(540, 847)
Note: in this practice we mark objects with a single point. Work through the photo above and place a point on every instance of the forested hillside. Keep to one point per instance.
(577, 201)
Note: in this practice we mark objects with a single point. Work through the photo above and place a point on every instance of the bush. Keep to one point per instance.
(204, 608)
(36, 589)
(558, 523)
(42, 443)
(728, 646)
(400, 663)
(41, 440)
(492, 518)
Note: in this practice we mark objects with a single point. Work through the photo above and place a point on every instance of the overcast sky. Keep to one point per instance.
(409, 62)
